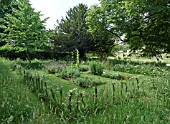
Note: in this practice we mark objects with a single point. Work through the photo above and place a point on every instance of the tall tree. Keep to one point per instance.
(5, 7)
(145, 23)
(24, 28)
(99, 28)
(5, 2)
(72, 33)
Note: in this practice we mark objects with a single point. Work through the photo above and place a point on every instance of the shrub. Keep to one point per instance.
(96, 68)
(84, 82)
(115, 76)
(51, 69)
(87, 82)
(84, 68)
(69, 73)
(54, 67)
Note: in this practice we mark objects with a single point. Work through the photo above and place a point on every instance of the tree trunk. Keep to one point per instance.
(28, 57)
(82, 54)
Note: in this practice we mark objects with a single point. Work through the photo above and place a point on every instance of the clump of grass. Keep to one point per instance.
(96, 68)
(87, 82)
(115, 76)
(84, 68)
(55, 67)
(69, 72)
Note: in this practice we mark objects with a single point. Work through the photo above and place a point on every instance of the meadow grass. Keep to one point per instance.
(17, 103)
(143, 96)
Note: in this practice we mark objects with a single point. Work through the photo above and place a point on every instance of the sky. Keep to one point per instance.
(55, 9)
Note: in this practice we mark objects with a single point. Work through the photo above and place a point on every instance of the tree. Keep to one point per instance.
(148, 27)
(5, 7)
(72, 33)
(98, 27)
(145, 23)
(4, 2)
(23, 27)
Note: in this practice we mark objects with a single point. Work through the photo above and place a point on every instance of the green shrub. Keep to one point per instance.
(54, 67)
(87, 82)
(96, 68)
(84, 82)
(84, 68)
(115, 76)
(69, 72)
(51, 69)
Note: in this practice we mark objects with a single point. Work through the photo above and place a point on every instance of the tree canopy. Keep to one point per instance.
(144, 23)
(5, 2)
(23, 27)
(72, 33)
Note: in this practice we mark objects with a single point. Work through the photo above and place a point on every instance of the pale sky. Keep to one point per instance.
(55, 9)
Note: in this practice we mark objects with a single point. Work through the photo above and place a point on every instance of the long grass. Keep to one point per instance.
(17, 103)
(125, 98)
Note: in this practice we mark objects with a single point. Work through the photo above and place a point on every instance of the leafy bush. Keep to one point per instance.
(96, 68)
(87, 82)
(51, 69)
(69, 72)
(115, 76)
(54, 67)
(84, 68)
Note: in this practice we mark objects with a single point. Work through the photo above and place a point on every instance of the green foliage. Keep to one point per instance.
(97, 21)
(145, 24)
(72, 33)
(84, 68)
(55, 67)
(5, 7)
(18, 104)
(23, 27)
(51, 68)
(149, 30)
(88, 82)
(96, 68)
(119, 47)
(144, 100)
(139, 68)
(5, 2)
(69, 72)
(115, 76)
